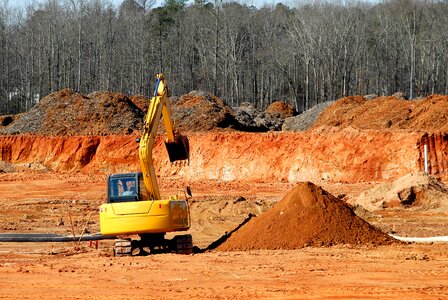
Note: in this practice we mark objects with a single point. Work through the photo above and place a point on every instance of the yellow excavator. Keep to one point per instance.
(134, 205)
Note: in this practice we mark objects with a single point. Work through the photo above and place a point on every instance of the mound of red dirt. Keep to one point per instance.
(428, 114)
(282, 109)
(274, 116)
(201, 111)
(141, 102)
(306, 216)
(70, 113)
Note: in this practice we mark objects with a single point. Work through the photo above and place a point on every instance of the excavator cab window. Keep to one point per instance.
(123, 188)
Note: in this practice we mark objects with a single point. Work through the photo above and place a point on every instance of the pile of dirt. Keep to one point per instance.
(282, 109)
(70, 113)
(274, 116)
(306, 119)
(202, 111)
(246, 114)
(306, 216)
(413, 191)
(141, 102)
(392, 112)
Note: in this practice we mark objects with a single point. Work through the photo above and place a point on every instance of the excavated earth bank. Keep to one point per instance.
(339, 155)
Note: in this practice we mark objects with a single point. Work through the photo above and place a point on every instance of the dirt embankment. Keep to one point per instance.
(333, 154)
(437, 151)
(345, 145)
(97, 154)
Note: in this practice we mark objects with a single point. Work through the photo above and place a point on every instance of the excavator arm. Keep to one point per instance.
(177, 145)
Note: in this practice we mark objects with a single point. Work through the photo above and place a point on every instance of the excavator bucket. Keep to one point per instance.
(179, 149)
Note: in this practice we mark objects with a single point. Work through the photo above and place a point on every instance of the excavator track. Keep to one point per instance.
(183, 244)
(180, 244)
(123, 247)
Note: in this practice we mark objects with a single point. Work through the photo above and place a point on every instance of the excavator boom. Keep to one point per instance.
(177, 145)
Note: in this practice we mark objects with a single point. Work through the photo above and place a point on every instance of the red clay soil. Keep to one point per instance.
(329, 154)
(429, 114)
(306, 216)
(141, 102)
(281, 108)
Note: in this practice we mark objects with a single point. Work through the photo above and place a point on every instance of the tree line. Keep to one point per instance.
(306, 54)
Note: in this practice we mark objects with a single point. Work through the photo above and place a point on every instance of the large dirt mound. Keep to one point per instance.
(281, 109)
(428, 114)
(274, 116)
(413, 191)
(246, 114)
(141, 102)
(69, 113)
(306, 216)
(202, 111)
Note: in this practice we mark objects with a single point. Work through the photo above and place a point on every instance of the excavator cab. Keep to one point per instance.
(126, 187)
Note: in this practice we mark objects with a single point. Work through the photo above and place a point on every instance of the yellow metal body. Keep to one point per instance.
(152, 215)
(159, 106)
(141, 217)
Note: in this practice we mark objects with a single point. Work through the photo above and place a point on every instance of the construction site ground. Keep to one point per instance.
(54, 202)
(326, 192)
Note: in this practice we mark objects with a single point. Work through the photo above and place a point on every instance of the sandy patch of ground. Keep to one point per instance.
(37, 202)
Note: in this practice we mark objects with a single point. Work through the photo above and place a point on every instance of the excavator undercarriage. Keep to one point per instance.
(154, 244)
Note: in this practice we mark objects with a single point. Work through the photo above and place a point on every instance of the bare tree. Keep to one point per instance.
(306, 54)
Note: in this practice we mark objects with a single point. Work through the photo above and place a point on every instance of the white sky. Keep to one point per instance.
(23, 3)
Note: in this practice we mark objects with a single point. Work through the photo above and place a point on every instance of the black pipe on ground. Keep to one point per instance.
(49, 237)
